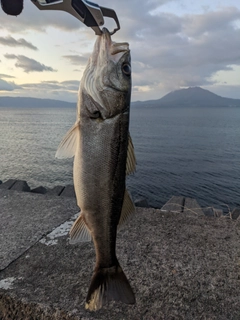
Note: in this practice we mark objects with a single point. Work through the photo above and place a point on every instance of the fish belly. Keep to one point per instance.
(99, 180)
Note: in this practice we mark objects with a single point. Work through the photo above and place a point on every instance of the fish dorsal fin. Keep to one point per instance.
(79, 231)
(68, 145)
(131, 159)
(128, 208)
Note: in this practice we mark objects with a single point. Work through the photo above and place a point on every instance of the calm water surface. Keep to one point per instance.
(192, 152)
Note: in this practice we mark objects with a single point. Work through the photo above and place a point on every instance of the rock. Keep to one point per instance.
(8, 184)
(20, 185)
(0, 181)
(236, 213)
(56, 191)
(143, 203)
(175, 204)
(217, 212)
(40, 190)
(208, 212)
(68, 191)
(191, 206)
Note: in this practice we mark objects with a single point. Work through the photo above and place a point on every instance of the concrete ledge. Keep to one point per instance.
(180, 267)
(21, 185)
(68, 191)
(8, 184)
(56, 191)
(25, 217)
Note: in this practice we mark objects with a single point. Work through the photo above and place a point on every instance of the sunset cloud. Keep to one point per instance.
(8, 86)
(77, 59)
(2, 75)
(173, 43)
(28, 64)
(11, 42)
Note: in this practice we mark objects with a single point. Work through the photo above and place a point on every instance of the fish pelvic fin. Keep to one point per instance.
(128, 209)
(131, 159)
(108, 284)
(79, 231)
(68, 145)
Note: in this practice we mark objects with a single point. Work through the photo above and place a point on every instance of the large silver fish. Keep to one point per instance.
(103, 151)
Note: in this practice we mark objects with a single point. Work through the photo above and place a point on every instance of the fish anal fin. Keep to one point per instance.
(128, 209)
(79, 231)
(131, 159)
(108, 284)
(68, 145)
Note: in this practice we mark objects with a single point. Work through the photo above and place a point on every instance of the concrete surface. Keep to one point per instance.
(21, 185)
(175, 204)
(25, 217)
(180, 266)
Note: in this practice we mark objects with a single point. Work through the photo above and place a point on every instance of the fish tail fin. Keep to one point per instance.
(108, 284)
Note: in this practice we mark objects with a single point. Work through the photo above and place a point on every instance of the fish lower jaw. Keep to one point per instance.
(123, 113)
(108, 116)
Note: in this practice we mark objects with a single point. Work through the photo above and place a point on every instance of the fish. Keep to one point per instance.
(103, 155)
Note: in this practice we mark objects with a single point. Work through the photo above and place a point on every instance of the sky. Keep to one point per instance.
(174, 45)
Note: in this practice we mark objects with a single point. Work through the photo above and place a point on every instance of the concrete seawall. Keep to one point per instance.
(21, 185)
(181, 265)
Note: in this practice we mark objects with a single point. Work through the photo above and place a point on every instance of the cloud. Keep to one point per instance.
(62, 90)
(11, 42)
(212, 21)
(70, 85)
(168, 50)
(77, 59)
(33, 19)
(2, 75)
(28, 64)
(190, 55)
(228, 91)
(8, 86)
(65, 90)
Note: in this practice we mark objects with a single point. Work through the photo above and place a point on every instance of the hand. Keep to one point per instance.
(12, 7)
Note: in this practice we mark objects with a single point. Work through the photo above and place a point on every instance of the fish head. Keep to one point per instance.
(107, 77)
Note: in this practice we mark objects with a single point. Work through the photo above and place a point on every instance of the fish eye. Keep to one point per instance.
(95, 115)
(126, 69)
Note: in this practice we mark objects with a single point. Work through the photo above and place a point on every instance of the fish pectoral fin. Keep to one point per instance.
(79, 231)
(131, 159)
(108, 284)
(128, 208)
(68, 145)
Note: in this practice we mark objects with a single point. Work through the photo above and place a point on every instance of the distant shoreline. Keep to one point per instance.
(190, 97)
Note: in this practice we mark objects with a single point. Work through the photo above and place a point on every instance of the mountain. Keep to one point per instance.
(34, 103)
(191, 97)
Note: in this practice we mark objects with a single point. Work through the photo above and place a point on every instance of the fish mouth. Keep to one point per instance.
(119, 47)
(116, 50)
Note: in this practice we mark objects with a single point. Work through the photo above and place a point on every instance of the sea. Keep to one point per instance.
(192, 152)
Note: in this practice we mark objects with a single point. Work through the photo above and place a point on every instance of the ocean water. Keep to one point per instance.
(193, 152)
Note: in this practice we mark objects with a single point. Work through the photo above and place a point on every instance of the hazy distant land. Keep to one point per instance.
(25, 102)
(191, 97)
